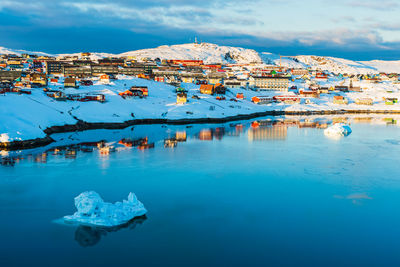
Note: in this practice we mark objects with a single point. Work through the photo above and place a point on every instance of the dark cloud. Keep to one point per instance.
(122, 25)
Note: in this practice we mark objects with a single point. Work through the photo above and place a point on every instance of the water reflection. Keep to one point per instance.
(355, 198)
(267, 130)
(88, 236)
(146, 137)
(211, 133)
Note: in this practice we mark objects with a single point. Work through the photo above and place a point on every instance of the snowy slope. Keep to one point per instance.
(209, 53)
(384, 66)
(336, 65)
(4, 50)
(93, 55)
(289, 62)
(330, 64)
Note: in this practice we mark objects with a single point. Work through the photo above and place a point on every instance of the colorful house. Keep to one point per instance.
(181, 98)
(207, 89)
(105, 78)
(364, 101)
(340, 100)
(262, 100)
(274, 83)
(70, 82)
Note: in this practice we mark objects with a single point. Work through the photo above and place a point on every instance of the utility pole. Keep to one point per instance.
(280, 59)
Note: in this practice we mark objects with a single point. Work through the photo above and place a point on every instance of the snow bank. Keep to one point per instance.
(337, 130)
(92, 210)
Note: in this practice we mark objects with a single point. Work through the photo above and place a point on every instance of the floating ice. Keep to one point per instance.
(93, 211)
(337, 130)
(4, 138)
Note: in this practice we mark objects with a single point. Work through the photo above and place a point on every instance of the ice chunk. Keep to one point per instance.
(4, 138)
(93, 211)
(337, 130)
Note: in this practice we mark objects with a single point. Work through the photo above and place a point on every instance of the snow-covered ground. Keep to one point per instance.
(25, 117)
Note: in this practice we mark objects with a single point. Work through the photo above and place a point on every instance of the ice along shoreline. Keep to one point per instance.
(83, 126)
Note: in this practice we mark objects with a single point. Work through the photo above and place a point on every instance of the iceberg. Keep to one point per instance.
(93, 211)
(338, 130)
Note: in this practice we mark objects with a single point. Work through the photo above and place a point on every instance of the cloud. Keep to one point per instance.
(330, 27)
(386, 26)
(382, 5)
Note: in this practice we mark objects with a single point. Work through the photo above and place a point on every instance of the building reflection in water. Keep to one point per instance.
(103, 148)
(171, 142)
(180, 136)
(41, 158)
(141, 143)
(267, 130)
(88, 236)
(145, 144)
(389, 121)
(277, 129)
(211, 133)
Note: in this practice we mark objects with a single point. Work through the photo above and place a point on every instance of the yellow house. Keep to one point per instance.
(187, 79)
(214, 78)
(40, 78)
(14, 62)
(43, 58)
(181, 98)
(364, 101)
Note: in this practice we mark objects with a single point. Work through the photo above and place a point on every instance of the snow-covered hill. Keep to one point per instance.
(209, 53)
(289, 62)
(93, 55)
(336, 65)
(384, 66)
(331, 64)
(4, 50)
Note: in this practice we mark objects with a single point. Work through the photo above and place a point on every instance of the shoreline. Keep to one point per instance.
(83, 126)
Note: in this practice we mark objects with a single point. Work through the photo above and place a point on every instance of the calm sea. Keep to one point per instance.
(276, 192)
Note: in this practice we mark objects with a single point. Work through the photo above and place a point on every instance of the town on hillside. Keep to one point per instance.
(268, 84)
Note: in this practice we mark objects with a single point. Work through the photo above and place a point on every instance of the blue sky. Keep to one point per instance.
(353, 29)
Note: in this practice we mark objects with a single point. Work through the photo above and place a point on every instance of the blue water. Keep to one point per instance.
(289, 197)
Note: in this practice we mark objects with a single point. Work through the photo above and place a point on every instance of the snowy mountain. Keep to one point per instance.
(212, 53)
(209, 53)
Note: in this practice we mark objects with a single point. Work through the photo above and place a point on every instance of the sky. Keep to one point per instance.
(354, 29)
